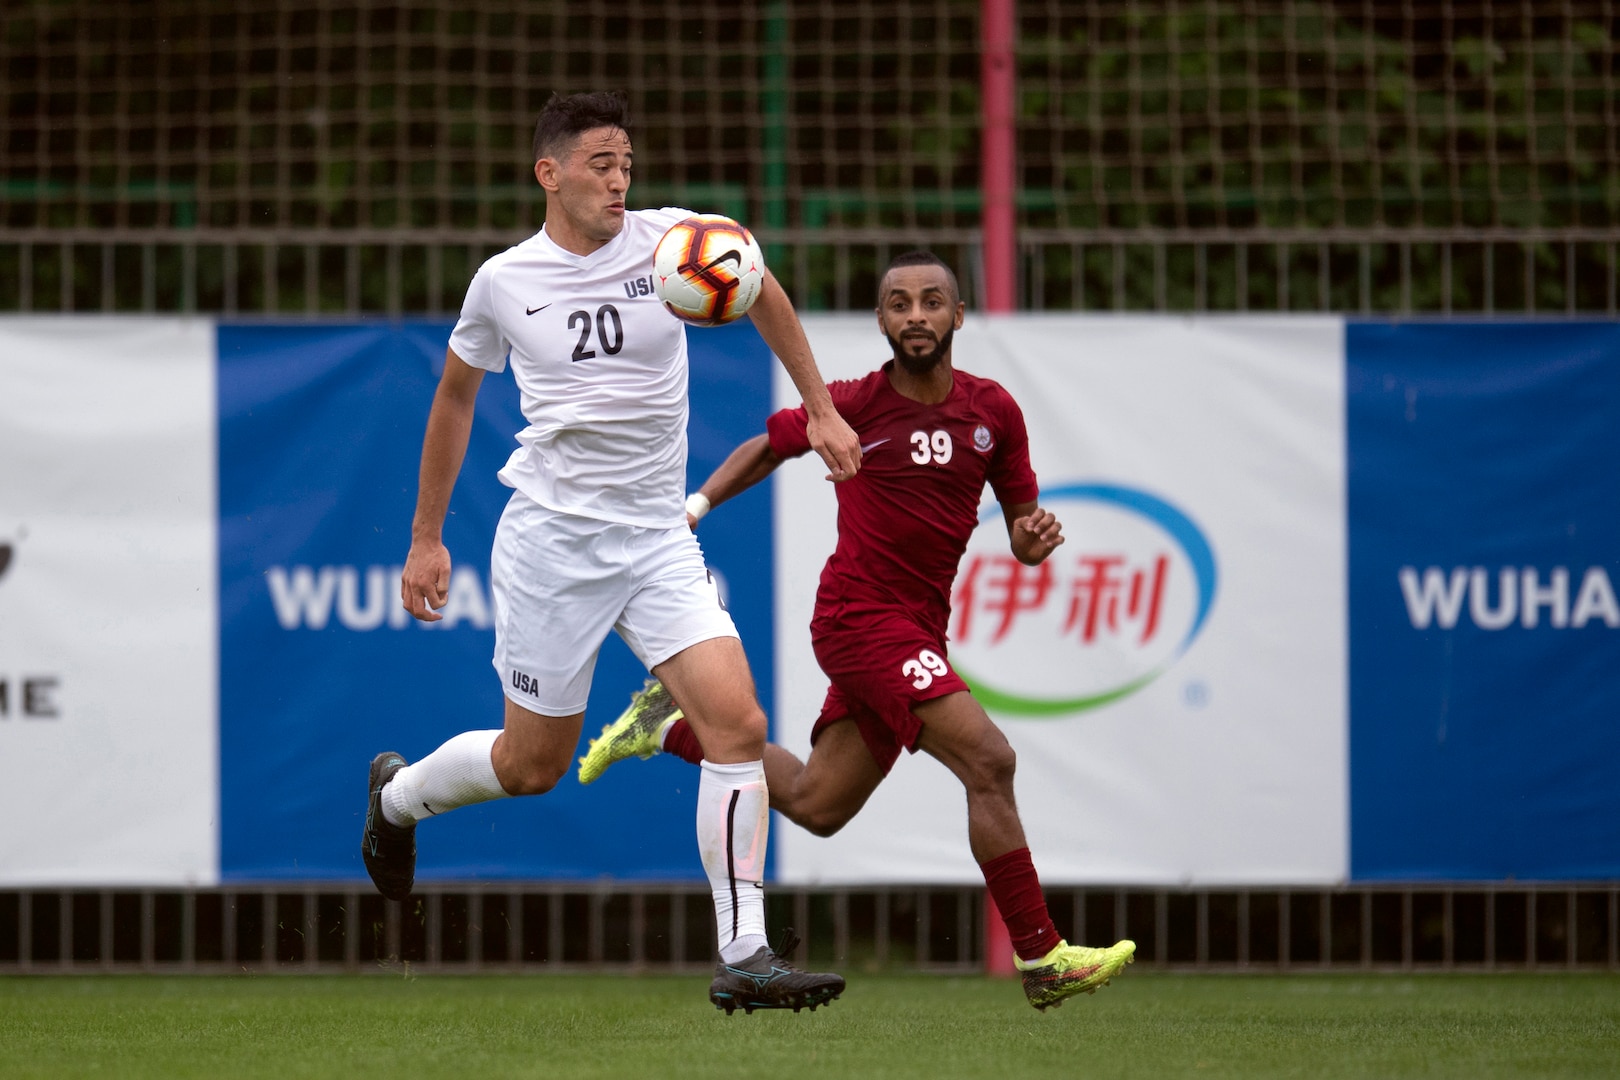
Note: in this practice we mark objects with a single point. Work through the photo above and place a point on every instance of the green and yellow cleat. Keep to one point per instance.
(1072, 969)
(638, 732)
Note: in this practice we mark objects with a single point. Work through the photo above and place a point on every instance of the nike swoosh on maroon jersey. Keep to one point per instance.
(869, 447)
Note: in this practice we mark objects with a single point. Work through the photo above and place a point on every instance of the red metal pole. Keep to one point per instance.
(998, 949)
(998, 179)
(998, 164)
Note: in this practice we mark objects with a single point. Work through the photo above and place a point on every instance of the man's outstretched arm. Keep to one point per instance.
(747, 465)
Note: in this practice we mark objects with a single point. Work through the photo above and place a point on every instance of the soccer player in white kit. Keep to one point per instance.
(594, 537)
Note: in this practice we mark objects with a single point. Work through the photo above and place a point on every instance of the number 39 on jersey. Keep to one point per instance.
(935, 447)
(924, 669)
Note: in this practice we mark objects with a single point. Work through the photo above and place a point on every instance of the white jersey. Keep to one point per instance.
(601, 367)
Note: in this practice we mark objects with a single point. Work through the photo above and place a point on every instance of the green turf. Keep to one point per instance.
(913, 1026)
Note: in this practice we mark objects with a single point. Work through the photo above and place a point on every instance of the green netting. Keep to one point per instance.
(334, 155)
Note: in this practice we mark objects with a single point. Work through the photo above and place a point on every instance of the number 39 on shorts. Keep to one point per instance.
(923, 670)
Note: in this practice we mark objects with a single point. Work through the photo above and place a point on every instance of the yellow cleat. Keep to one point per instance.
(638, 732)
(1072, 969)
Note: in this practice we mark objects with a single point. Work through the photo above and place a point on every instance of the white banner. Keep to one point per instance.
(108, 624)
(1174, 679)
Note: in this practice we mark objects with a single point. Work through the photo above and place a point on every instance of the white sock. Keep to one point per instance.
(459, 773)
(733, 826)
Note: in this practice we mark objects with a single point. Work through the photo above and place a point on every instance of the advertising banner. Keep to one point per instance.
(1336, 603)
(1485, 629)
(1172, 679)
(108, 742)
(321, 668)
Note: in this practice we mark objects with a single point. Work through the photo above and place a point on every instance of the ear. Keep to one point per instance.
(545, 173)
(961, 314)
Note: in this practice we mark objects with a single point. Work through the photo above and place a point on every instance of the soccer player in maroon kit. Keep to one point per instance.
(931, 438)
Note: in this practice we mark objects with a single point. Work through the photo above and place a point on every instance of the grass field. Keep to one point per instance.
(886, 1026)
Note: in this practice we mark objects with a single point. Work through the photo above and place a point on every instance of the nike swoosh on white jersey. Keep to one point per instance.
(869, 447)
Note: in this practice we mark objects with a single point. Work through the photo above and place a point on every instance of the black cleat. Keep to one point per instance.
(389, 851)
(766, 981)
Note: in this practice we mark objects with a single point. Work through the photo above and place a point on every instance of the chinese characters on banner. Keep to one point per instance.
(1100, 595)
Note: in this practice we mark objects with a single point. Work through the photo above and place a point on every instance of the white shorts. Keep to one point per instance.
(561, 582)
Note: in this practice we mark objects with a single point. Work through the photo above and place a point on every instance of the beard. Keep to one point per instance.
(921, 364)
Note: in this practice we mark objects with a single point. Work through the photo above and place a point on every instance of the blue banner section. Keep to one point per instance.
(320, 432)
(1484, 557)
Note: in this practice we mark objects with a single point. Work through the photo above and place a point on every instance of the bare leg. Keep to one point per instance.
(715, 689)
(957, 731)
(965, 740)
(533, 751)
(821, 795)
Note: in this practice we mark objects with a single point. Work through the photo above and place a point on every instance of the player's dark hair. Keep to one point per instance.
(921, 258)
(565, 119)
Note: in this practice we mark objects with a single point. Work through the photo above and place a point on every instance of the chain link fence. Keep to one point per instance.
(343, 156)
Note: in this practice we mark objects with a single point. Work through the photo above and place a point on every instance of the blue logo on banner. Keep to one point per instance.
(320, 436)
(1484, 512)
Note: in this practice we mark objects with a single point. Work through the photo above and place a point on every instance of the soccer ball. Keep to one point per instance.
(708, 270)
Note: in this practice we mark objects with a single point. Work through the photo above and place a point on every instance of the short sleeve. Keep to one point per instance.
(1011, 477)
(788, 431)
(477, 338)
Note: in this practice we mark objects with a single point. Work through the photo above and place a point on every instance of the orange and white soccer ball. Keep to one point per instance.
(708, 270)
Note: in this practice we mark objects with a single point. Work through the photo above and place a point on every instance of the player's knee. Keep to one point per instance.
(995, 765)
(532, 777)
(810, 809)
(823, 821)
(743, 732)
(754, 725)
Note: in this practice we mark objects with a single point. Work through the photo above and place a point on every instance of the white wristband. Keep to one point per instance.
(697, 504)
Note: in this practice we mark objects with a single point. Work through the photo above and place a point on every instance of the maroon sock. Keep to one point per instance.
(680, 741)
(1017, 893)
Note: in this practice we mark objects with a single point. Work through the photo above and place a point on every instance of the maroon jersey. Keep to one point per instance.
(905, 518)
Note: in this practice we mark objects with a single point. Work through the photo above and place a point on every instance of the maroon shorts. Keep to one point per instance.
(882, 664)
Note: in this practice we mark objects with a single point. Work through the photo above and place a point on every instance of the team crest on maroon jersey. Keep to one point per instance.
(982, 442)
